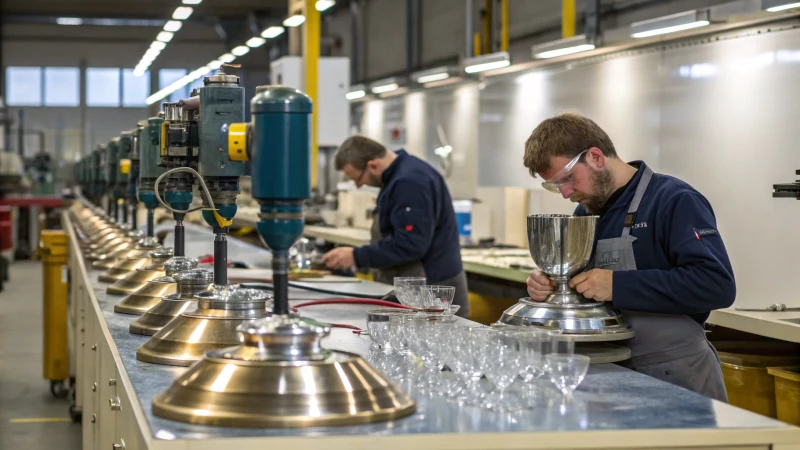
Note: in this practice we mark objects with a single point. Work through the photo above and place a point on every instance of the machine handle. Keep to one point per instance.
(115, 404)
(94, 387)
(120, 446)
(112, 382)
(94, 347)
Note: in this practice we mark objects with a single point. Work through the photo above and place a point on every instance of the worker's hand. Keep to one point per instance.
(539, 285)
(594, 284)
(339, 258)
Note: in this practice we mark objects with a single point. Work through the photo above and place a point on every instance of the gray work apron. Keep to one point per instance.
(670, 347)
(416, 269)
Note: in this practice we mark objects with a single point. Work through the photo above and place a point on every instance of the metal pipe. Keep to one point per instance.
(220, 259)
(477, 45)
(468, 39)
(280, 281)
(355, 61)
(311, 57)
(487, 27)
(21, 136)
(134, 221)
(409, 36)
(179, 239)
(124, 212)
(567, 18)
(504, 27)
(151, 223)
(592, 26)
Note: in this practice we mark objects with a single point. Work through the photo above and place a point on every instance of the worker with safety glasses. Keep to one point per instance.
(658, 255)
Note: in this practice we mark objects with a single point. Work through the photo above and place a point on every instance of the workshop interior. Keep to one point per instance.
(429, 224)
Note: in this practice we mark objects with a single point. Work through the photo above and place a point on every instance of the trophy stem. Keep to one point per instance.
(564, 295)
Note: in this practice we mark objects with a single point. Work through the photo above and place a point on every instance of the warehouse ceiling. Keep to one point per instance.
(138, 8)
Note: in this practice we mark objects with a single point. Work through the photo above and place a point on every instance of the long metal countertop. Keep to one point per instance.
(611, 398)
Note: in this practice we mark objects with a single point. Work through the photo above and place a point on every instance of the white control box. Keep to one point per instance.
(333, 124)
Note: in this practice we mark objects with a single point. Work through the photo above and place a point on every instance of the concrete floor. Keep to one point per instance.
(24, 394)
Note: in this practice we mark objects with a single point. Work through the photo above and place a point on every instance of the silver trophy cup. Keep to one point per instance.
(561, 247)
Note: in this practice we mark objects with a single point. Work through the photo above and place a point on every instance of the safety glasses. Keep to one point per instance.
(563, 176)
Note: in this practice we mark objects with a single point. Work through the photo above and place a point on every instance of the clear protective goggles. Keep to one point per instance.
(563, 176)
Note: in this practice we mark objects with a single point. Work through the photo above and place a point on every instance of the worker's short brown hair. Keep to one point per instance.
(358, 151)
(564, 135)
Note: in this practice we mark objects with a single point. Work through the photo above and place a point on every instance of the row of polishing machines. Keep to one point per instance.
(252, 361)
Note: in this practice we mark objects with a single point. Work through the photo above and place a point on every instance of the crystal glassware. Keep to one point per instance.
(437, 297)
(408, 292)
(567, 371)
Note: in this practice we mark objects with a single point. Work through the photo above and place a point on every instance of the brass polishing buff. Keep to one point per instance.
(134, 281)
(105, 235)
(189, 283)
(212, 325)
(114, 249)
(103, 238)
(281, 377)
(137, 258)
(151, 293)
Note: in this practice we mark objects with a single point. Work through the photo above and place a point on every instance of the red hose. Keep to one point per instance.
(353, 301)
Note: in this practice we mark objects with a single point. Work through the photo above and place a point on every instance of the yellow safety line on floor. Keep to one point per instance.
(39, 419)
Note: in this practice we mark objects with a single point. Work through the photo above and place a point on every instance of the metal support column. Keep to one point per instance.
(311, 46)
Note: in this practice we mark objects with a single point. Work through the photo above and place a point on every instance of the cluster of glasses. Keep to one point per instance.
(416, 293)
(475, 365)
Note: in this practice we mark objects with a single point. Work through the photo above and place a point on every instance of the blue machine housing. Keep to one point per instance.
(281, 142)
(149, 158)
(280, 152)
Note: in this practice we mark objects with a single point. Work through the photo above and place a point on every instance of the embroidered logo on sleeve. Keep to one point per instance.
(409, 228)
(700, 232)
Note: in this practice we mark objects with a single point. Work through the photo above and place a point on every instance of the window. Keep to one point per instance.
(102, 87)
(24, 86)
(169, 76)
(135, 90)
(62, 86)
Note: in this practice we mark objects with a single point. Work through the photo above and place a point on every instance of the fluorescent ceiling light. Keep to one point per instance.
(431, 75)
(182, 12)
(562, 47)
(272, 32)
(227, 58)
(354, 95)
(173, 25)
(138, 72)
(294, 21)
(152, 51)
(255, 42)
(783, 7)
(322, 5)
(384, 86)
(69, 21)
(215, 64)
(490, 61)
(164, 36)
(240, 50)
(192, 2)
(670, 24)
(158, 45)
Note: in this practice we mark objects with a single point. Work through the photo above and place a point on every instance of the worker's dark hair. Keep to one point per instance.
(358, 151)
(564, 135)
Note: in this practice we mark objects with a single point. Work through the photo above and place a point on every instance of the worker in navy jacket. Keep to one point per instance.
(414, 230)
(658, 257)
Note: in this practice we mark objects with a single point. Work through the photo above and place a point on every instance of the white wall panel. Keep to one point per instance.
(721, 116)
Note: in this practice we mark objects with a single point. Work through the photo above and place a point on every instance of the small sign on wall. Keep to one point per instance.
(394, 135)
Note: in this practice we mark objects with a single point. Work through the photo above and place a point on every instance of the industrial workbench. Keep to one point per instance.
(614, 407)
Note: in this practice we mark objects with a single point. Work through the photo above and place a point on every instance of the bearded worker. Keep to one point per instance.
(658, 255)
